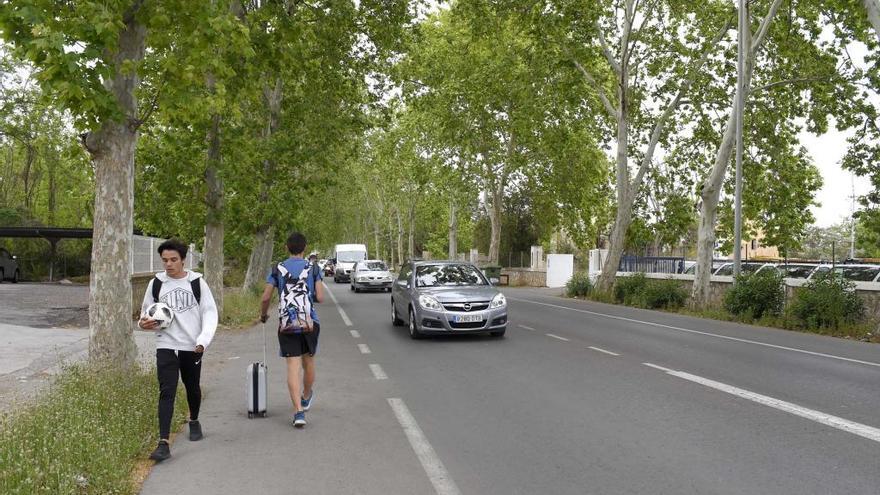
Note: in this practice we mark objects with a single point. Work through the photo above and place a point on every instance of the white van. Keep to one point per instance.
(346, 255)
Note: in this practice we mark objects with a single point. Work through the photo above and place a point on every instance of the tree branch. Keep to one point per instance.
(765, 27)
(606, 49)
(612, 112)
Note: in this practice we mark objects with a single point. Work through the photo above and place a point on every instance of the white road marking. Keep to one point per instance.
(378, 372)
(557, 337)
(341, 311)
(603, 350)
(660, 325)
(365, 349)
(233, 357)
(355, 334)
(859, 429)
(661, 368)
(440, 478)
(527, 328)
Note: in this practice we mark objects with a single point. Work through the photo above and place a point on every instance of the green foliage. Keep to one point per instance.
(579, 285)
(84, 435)
(241, 307)
(827, 302)
(755, 295)
(640, 291)
(630, 290)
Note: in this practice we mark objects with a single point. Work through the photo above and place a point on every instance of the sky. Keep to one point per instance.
(837, 189)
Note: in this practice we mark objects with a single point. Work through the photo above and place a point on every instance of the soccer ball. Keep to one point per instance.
(162, 313)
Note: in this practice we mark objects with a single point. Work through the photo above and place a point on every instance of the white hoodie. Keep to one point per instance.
(194, 323)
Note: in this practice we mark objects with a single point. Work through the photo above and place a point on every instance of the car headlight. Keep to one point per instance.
(499, 301)
(429, 302)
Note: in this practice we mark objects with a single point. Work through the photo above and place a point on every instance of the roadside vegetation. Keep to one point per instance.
(86, 434)
(241, 307)
(828, 305)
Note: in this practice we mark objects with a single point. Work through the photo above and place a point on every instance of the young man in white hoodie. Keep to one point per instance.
(180, 347)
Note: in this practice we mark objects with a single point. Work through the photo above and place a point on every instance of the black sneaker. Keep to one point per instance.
(161, 453)
(195, 431)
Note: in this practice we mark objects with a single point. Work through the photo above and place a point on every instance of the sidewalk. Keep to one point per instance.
(351, 444)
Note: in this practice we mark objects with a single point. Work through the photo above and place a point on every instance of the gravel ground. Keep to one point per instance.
(44, 305)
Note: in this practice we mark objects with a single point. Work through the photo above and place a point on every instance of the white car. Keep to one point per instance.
(370, 275)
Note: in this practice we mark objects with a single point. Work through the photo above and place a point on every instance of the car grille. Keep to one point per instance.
(462, 326)
(459, 306)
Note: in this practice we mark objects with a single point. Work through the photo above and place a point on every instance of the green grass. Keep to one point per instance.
(86, 434)
(241, 308)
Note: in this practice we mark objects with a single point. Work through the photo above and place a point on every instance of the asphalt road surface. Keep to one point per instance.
(578, 398)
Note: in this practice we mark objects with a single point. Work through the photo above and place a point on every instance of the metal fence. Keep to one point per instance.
(651, 264)
(145, 259)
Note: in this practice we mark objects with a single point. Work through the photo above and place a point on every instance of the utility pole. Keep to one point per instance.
(740, 109)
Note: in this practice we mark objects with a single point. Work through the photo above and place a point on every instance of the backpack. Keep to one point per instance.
(294, 303)
(195, 284)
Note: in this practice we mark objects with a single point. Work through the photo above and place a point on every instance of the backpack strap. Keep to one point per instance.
(157, 286)
(197, 289)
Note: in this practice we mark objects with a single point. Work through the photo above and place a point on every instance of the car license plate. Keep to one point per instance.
(375, 283)
(467, 318)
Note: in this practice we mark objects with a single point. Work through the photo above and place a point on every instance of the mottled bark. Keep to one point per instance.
(453, 230)
(495, 210)
(112, 147)
(214, 228)
(260, 260)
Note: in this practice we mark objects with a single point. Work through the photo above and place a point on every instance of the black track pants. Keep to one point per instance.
(169, 364)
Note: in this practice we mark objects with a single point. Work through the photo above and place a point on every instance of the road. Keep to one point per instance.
(591, 398)
(578, 398)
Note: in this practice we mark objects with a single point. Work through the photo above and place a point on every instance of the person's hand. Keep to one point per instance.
(200, 349)
(263, 318)
(148, 323)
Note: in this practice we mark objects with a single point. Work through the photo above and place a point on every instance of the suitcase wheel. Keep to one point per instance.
(265, 413)
(250, 415)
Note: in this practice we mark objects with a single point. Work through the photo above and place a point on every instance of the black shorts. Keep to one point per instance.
(299, 344)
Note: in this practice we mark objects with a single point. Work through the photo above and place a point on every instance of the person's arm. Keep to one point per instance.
(264, 302)
(210, 317)
(319, 291)
(145, 322)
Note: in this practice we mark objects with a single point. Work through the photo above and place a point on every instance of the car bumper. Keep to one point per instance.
(443, 322)
(372, 285)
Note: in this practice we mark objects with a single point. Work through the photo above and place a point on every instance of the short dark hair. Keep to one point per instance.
(174, 245)
(296, 243)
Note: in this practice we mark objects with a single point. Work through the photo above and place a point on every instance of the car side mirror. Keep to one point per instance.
(493, 281)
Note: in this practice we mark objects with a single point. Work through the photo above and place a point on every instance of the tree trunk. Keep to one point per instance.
(453, 231)
(260, 259)
(400, 238)
(51, 166)
(112, 148)
(214, 229)
(495, 221)
(873, 9)
(412, 231)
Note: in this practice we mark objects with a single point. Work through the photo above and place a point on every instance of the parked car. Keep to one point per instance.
(371, 275)
(447, 297)
(346, 255)
(746, 267)
(9, 267)
(800, 270)
(859, 273)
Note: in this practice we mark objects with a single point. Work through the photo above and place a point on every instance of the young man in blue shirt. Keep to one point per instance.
(298, 349)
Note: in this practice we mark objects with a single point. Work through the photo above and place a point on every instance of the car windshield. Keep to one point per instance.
(372, 266)
(858, 273)
(350, 256)
(796, 271)
(445, 275)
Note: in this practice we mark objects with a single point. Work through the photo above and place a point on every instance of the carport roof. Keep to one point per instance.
(46, 232)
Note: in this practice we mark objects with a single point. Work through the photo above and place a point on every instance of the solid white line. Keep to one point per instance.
(355, 334)
(378, 372)
(603, 350)
(660, 325)
(365, 349)
(859, 429)
(557, 337)
(661, 368)
(443, 483)
(527, 328)
(341, 311)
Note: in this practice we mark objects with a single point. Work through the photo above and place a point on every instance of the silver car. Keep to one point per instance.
(447, 298)
(370, 275)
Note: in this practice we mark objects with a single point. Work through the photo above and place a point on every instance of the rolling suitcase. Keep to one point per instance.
(255, 378)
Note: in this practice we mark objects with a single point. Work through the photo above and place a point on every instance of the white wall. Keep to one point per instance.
(560, 268)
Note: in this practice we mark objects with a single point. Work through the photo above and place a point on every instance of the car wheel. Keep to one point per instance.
(414, 332)
(356, 289)
(498, 333)
(2, 276)
(15, 277)
(395, 319)
(351, 288)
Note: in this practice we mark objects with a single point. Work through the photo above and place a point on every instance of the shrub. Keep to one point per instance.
(755, 295)
(630, 290)
(829, 301)
(579, 285)
(84, 435)
(665, 294)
